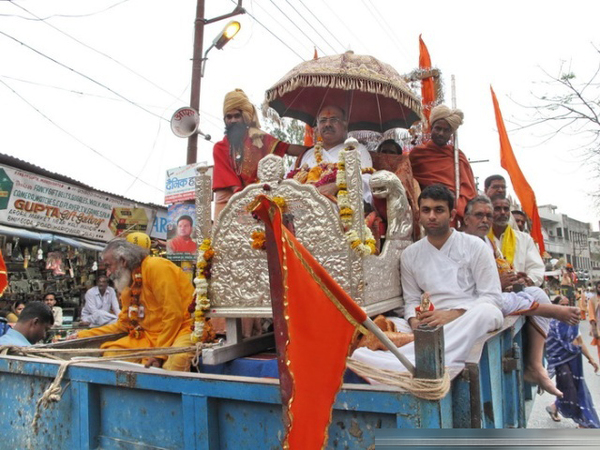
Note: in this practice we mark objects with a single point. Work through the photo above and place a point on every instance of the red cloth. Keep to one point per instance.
(427, 87)
(432, 164)
(224, 175)
(321, 321)
(522, 188)
(3, 275)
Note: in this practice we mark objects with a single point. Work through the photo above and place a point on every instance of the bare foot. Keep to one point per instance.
(540, 377)
(568, 314)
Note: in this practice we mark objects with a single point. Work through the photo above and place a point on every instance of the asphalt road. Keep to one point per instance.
(539, 418)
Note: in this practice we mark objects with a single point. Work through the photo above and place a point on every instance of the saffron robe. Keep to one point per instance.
(224, 174)
(433, 164)
(166, 295)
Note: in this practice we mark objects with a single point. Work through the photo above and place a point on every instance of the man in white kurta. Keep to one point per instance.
(458, 272)
(101, 305)
(525, 257)
(332, 127)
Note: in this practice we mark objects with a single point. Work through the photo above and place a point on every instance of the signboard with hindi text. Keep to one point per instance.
(41, 203)
(181, 183)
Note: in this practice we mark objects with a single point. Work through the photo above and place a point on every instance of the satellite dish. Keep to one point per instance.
(184, 122)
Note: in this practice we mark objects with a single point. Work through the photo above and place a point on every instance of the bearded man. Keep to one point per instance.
(236, 157)
(155, 295)
(433, 161)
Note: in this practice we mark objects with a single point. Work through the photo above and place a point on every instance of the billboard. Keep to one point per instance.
(181, 235)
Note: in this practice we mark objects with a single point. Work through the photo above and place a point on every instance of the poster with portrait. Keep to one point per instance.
(181, 236)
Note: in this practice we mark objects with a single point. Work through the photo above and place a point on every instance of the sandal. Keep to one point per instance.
(553, 413)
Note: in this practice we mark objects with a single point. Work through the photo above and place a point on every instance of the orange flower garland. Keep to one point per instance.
(136, 310)
(202, 331)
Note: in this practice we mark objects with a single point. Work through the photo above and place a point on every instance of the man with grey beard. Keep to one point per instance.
(155, 294)
(236, 157)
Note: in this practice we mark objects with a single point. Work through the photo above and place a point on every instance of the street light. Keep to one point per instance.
(230, 30)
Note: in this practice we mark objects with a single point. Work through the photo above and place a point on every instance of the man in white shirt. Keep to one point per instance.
(519, 299)
(518, 248)
(101, 305)
(459, 274)
(332, 126)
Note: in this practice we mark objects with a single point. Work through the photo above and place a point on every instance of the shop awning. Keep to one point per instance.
(49, 237)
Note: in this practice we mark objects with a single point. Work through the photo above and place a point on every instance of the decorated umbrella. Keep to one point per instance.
(373, 94)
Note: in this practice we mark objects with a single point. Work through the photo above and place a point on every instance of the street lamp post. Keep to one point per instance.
(198, 61)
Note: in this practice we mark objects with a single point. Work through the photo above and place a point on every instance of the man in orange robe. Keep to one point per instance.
(156, 317)
(433, 161)
(237, 155)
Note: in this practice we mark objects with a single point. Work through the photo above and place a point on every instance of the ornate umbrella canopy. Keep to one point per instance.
(373, 94)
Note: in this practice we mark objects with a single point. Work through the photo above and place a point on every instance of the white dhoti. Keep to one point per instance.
(459, 337)
(99, 318)
(517, 303)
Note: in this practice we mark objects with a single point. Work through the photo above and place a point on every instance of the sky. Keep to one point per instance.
(87, 89)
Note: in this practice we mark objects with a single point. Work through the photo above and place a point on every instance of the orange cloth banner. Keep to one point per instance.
(521, 186)
(427, 87)
(3, 275)
(308, 136)
(322, 320)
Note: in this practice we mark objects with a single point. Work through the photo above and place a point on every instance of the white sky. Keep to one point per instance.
(89, 130)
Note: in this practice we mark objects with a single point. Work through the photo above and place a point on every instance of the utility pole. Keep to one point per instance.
(192, 150)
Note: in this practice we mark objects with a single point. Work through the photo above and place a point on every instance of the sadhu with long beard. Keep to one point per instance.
(236, 157)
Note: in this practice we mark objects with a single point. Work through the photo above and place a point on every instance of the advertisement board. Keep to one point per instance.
(181, 183)
(28, 200)
(181, 236)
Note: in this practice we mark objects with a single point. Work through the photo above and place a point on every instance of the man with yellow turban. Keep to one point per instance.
(236, 157)
(433, 161)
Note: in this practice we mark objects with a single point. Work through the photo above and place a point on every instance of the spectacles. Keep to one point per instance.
(331, 120)
(480, 216)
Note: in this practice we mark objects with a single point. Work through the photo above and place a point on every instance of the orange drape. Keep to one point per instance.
(308, 136)
(521, 186)
(321, 320)
(427, 87)
(3, 275)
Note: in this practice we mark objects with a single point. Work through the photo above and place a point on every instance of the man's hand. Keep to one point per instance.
(328, 189)
(414, 323)
(507, 279)
(72, 336)
(153, 362)
(440, 317)
(522, 278)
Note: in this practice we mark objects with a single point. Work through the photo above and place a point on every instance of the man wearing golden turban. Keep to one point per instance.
(236, 157)
(433, 161)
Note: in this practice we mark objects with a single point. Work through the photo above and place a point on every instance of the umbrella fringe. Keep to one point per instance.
(346, 83)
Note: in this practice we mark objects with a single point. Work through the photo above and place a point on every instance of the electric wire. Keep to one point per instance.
(68, 16)
(344, 26)
(311, 25)
(322, 25)
(74, 137)
(384, 26)
(297, 27)
(82, 75)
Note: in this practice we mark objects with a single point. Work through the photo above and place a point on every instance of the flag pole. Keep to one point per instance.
(370, 325)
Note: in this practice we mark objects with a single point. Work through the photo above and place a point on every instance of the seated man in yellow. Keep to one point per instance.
(155, 295)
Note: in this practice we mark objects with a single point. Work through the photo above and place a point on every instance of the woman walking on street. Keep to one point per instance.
(564, 349)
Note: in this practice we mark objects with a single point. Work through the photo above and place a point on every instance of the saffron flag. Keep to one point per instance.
(3, 275)
(308, 136)
(521, 186)
(321, 320)
(427, 87)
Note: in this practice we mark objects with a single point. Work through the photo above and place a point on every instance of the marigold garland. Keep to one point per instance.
(346, 212)
(259, 240)
(202, 331)
(136, 310)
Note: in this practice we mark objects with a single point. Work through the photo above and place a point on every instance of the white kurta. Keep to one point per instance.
(527, 257)
(461, 275)
(100, 309)
(332, 155)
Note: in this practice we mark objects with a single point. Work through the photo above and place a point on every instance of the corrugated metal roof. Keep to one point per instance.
(29, 167)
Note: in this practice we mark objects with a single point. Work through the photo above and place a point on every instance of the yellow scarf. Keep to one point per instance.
(509, 243)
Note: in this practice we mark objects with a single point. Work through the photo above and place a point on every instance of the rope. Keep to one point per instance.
(54, 392)
(425, 389)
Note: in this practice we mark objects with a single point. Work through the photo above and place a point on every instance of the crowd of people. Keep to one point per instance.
(476, 263)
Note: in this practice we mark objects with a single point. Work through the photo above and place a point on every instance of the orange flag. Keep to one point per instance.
(3, 275)
(308, 136)
(427, 87)
(321, 321)
(521, 186)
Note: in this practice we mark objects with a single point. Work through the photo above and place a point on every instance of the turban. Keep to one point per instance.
(454, 117)
(237, 99)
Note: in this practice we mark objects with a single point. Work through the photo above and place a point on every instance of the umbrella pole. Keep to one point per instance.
(456, 159)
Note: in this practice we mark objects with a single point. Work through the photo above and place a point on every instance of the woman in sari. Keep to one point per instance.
(564, 347)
